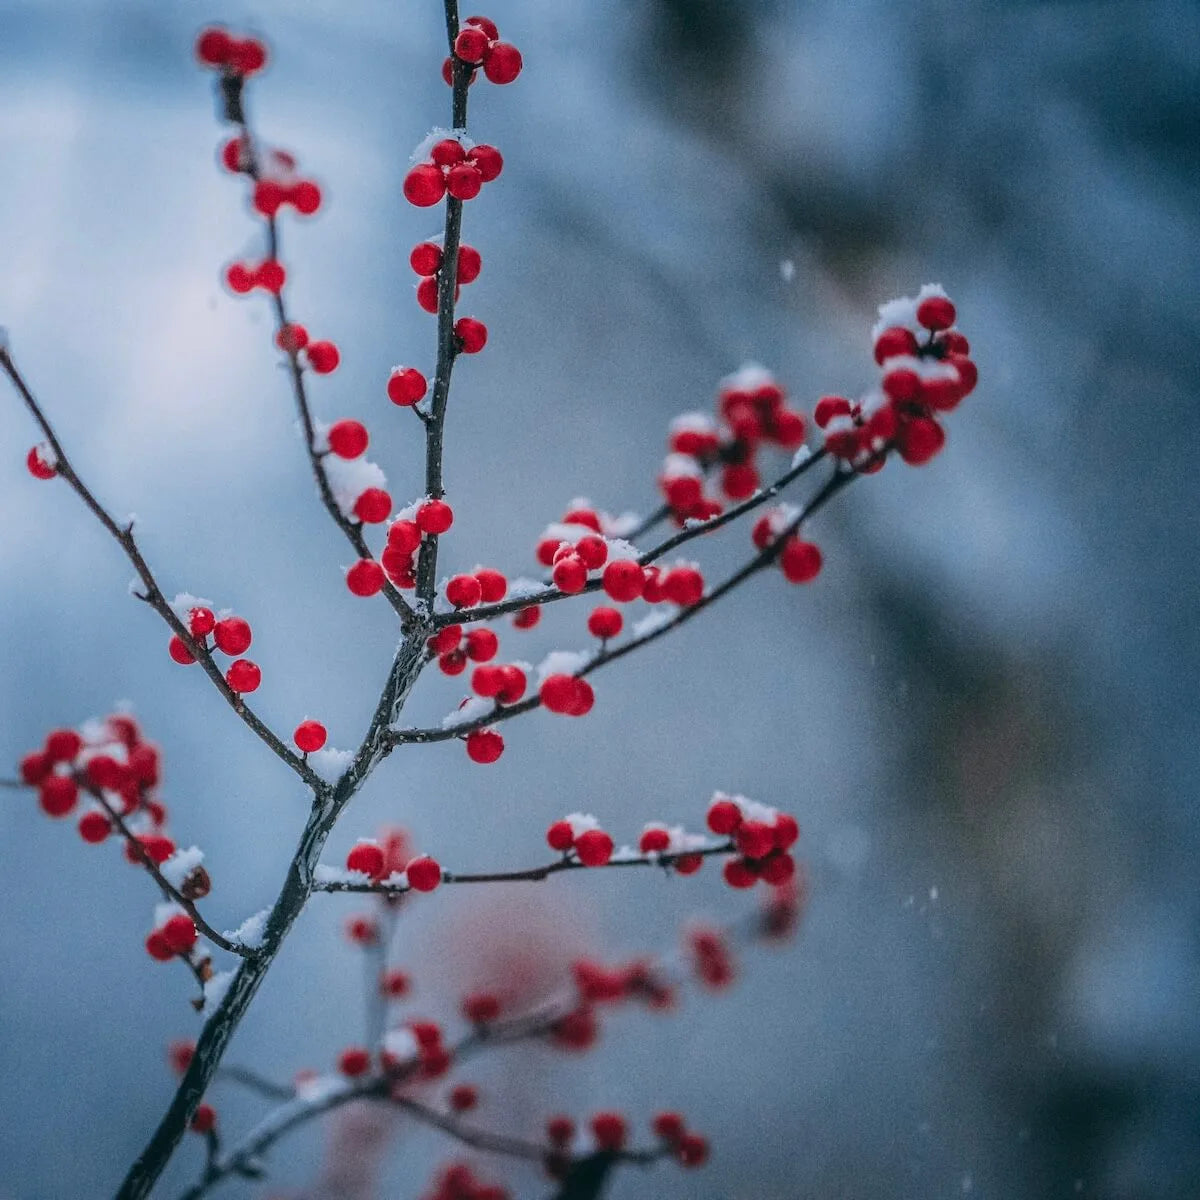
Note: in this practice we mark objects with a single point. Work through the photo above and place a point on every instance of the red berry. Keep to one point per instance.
(347, 438)
(654, 841)
(502, 63)
(424, 873)
(463, 591)
(778, 869)
(243, 676)
(724, 817)
(323, 357)
(560, 836)
(435, 516)
(463, 181)
(487, 680)
(829, 407)
(213, 47)
(902, 384)
(63, 745)
(470, 263)
(471, 44)
(800, 561)
(447, 152)
(367, 858)
(755, 839)
(489, 161)
(305, 197)
(738, 874)
(623, 580)
(446, 639)
(605, 622)
(406, 385)
(268, 197)
(560, 1130)
(362, 931)
(454, 663)
(739, 480)
(594, 847)
(39, 464)
(527, 617)
(246, 55)
(57, 795)
(427, 294)
(365, 578)
(157, 948)
(354, 1061)
(786, 830)
(482, 645)
(669, 1126)
(424, 185)
(35, 767)
(513, 684)
(179, 932)
(309, 736)
(180, 1054)
(426, 258)
(239, 278)
(569, 574)
(201, 622)
(178, 650)
(492, 585)
(232, 635)
(472, 334)
(936, 312)
(486, 24)
(373, 506)
(484, 745)
(919, 440)
(593, 551)
(403, 536)
(481, 1007)
(692, 1150)
(204, 1119)
(394, 984)
(610, 1130)
(270, 276)
(464, 1096)
(893, 343)
(683, 586)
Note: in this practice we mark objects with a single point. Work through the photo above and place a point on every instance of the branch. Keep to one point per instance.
(533, 874)
(447, 340)
(168, 889)
(836, 482)
(351, 529)
(485, 612)
(153, 594)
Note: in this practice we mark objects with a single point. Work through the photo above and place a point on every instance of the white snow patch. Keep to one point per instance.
(165, 911)
(437, 134)
(562, 662)
(250, 932)
(654, 620)
(523, 588)
(748, 378)
(801, 456)
(471, 710)
(322, 873)
(402, 1044)
(349, 478)
(317, 1088)
(330, 764)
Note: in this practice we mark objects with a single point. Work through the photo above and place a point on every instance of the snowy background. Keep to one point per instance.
(983, 714)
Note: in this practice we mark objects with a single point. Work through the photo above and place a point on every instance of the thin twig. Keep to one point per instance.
(486, 612)
(533, 874)
(153, 594)
(839, 479)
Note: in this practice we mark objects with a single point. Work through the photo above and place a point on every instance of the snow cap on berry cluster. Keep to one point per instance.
(330, 764)
(902, 312)
(184, 602)
(679, 840)
(470, 710)
(751, 810)
(181, 864)
(749, 377)
(581, 822)
(439, 134)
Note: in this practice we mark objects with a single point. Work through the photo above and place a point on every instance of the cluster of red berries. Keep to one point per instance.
(690, 1149)
(580, 834)
(174, 933)
(279, 182)
(926, 370)
(231, 635)
(753, 412)
(242, 278)
(452, 168)
(762, 836)
(419, 1040)
(799, 560)
(398, 562)
(426, 261)
(422, 874)
(222, 51)
(111, 759)
(459, 1182)
(478, 44)
(598, 984)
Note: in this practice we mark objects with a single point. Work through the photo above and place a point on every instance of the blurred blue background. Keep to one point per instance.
(983, 714)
